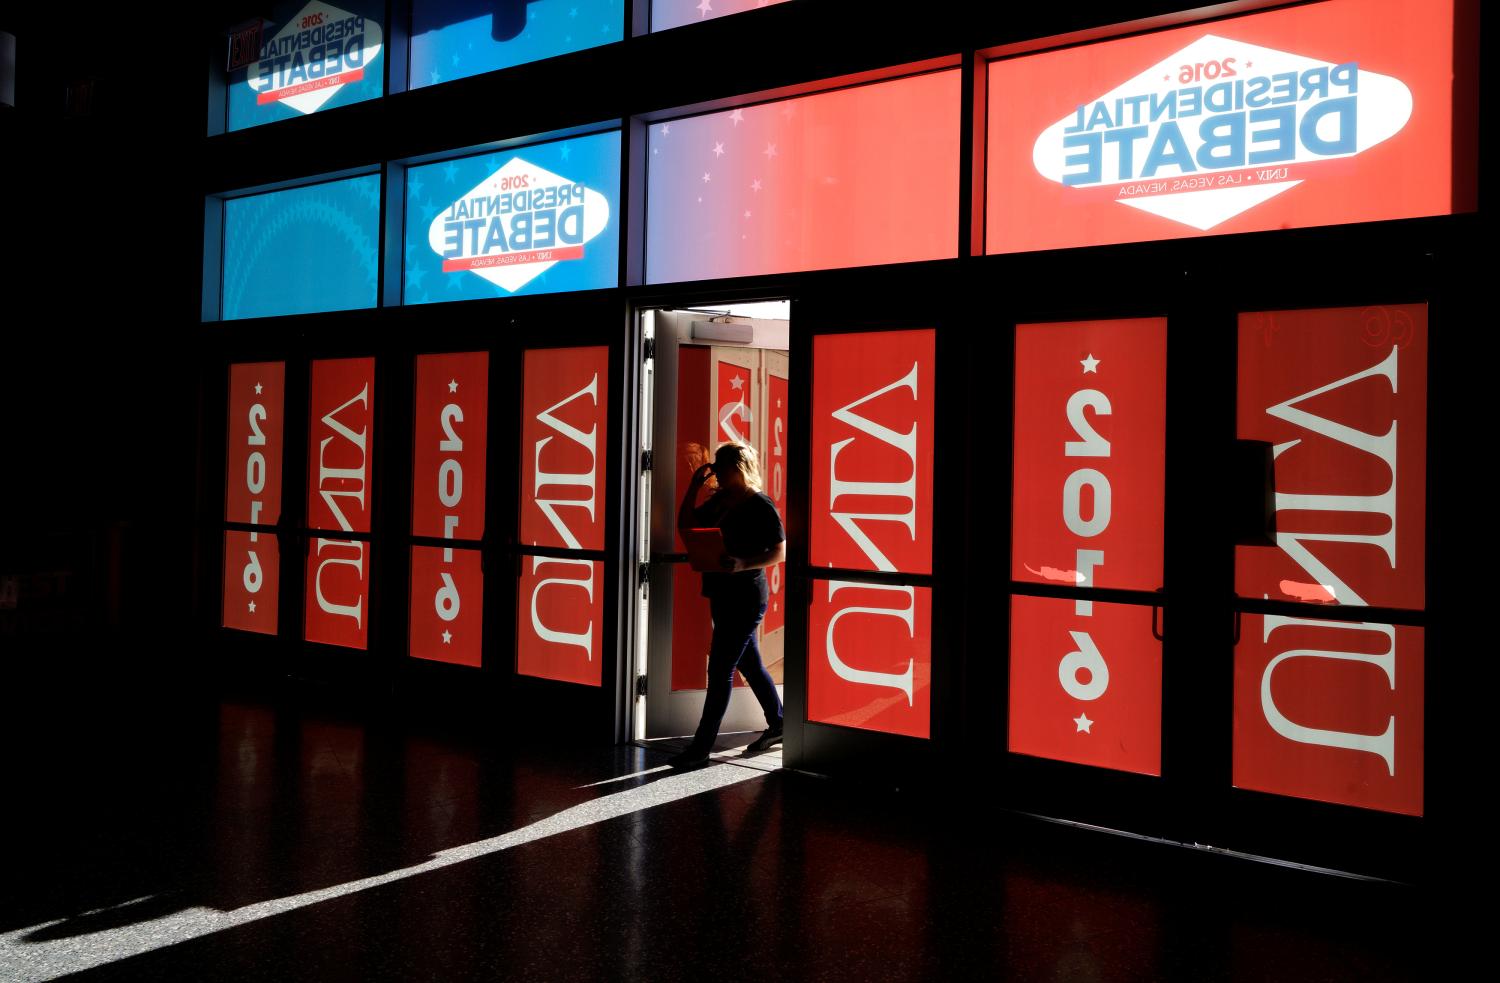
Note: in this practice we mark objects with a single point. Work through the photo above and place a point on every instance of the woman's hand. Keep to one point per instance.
(702, 475)
(731, 564)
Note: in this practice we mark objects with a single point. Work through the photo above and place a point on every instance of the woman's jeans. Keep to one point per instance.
(736, 616)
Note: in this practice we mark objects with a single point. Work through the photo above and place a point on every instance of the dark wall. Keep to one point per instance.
(98, 391)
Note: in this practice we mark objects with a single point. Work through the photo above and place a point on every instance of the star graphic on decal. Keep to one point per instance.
(450, 172)
(737, 117)
(1084, 723)
(718, 148)
(257, 388)
(1090, 364)
(252, 607)
(666, 128)
(447, 637)
(567, 151)
(572, 11)
(704, 8)
(755, 185)
(435, 76)
(738, 382)
(414, 185)
(705, 177)
(453, 385)
(770, 150)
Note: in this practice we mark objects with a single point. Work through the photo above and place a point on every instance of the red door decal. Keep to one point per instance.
(1323, 709)
(565, 406)
(1085, 683)
(734, 403)
(341, 421)
(448, 482)
(252, 560)
(775, 461)
(252, 481)
(252, 578)
(869, 645)
(1090, 445)
(447, 605)
(1090, 433)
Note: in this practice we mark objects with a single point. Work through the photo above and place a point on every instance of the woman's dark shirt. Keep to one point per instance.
(750, 527)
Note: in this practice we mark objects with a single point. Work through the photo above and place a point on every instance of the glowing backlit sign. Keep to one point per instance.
(321, 55)
(538, 220)
(1317, 114)
(453, 39)
(851, 177)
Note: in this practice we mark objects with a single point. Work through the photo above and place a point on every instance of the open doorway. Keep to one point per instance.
(714, 373)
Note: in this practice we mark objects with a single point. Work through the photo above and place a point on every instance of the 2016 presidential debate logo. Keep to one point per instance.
(516, 224)
(1174, 142)
(316, 53)
(1317, 114)
(537, 219)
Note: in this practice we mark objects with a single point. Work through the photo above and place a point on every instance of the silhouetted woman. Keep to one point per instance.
(753, 540)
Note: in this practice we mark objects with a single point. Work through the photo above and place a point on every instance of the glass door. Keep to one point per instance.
(715, 378)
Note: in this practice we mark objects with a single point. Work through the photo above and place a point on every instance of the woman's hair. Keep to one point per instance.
(742, 456)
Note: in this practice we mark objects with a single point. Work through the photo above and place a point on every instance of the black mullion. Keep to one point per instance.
(1106, 595)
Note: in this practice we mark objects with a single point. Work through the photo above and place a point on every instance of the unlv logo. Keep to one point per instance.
(870, 644)
(1329, 709)
(342, 411)
(565, 406)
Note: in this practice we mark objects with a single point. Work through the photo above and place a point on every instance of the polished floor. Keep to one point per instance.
(247, 840)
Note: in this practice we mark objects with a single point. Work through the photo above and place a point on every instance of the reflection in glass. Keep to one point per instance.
(453, 39)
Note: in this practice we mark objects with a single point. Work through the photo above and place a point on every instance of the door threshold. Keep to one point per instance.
(729, 749)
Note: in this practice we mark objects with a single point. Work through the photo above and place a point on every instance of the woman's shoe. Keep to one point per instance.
(690, 758)
(765, 741)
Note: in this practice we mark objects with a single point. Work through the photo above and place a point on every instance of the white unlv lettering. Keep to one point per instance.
(588, 441)
(904, 442)
(325, 474)
(354, 610)
(583, 639)
(907, 615)
(1383, 744)
(1383, 447)
(849, 521)
(549, 506)
(357, 473)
